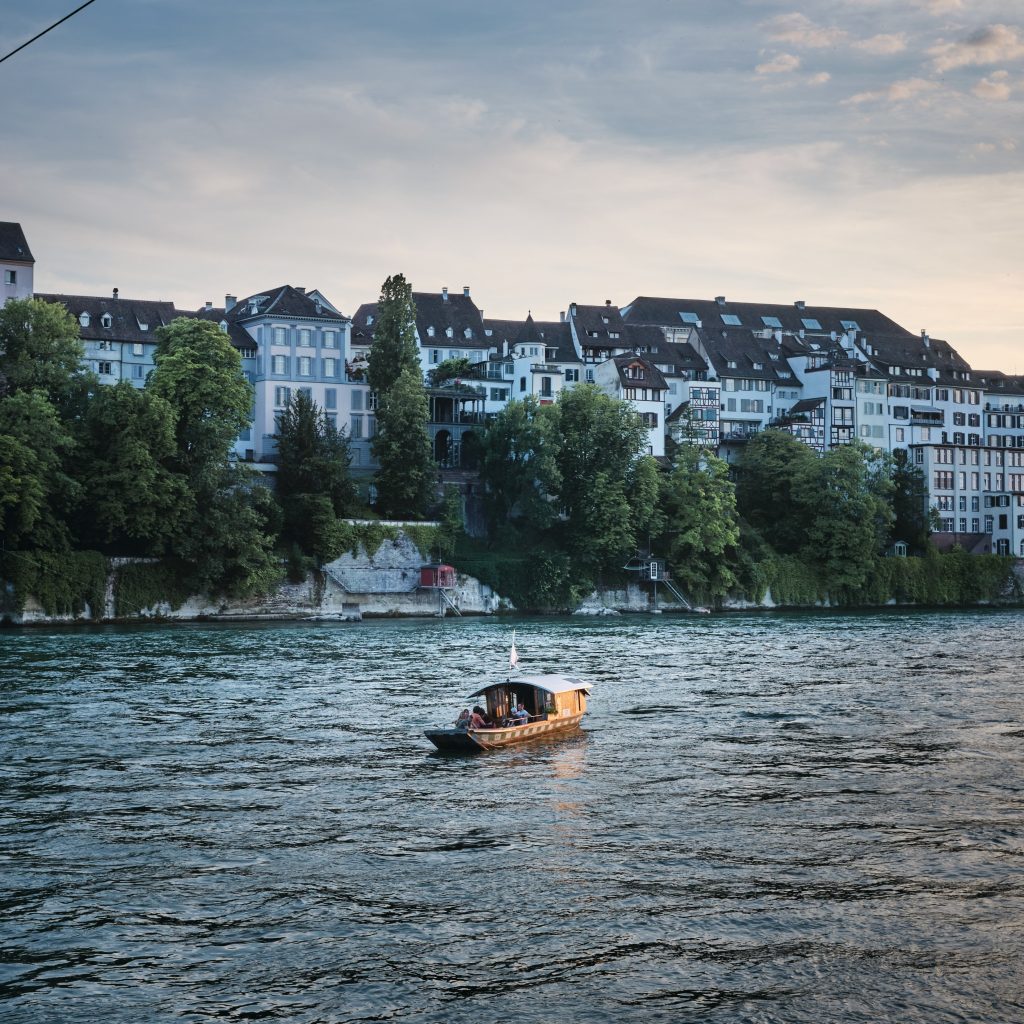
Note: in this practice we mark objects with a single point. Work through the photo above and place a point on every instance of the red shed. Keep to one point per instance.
(437, 577)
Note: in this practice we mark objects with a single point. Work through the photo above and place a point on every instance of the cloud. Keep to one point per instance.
(882, 45)
(798, 29)
(780, 64)
(939, 6)
(996, 87)
(995, 44)
(820, 78)
(898, 92)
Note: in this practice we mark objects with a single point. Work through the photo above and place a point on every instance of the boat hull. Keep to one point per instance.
(474, 740)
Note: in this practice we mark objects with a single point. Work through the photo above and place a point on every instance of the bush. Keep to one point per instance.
(63, 583)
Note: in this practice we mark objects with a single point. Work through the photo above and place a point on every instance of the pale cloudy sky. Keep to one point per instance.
(862, 152)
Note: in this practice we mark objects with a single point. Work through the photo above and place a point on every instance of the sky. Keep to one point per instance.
(854, 153)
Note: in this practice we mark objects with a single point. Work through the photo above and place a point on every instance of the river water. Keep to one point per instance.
(782, 818)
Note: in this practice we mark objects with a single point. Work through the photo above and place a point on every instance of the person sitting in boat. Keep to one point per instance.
(462, 722)
(520, 716)
(478, 720)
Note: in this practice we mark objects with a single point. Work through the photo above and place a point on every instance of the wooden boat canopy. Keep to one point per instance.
(553, 684)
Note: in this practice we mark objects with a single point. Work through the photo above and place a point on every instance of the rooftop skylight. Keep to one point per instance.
(849, 325)
(811, 324)
(771, 321)
(730, 320)
(689, 318)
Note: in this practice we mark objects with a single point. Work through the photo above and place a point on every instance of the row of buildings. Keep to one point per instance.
(710, 372)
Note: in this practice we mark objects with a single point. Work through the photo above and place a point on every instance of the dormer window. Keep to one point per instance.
(468, 332)
(613, 334)
(369, 323)
(430, 330)
(758, 366)
(449, 333)
(224, 326)
(84, 319)
(731, 364)
(107, 320)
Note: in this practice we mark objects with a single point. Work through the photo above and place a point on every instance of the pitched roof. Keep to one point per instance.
(283, 301)
(127, 316)
(237, 334)
(669, 312)
(13, 244)
(999, 383)
(752, 357)
(457, 312)
(649, 375)
(894, 355)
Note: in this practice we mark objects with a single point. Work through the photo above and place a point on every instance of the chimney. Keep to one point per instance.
(301, 291)
(924, 334)
(209, 305)
(800, 304)
(229, 302)
(561, 316)
(720, 299)
(572, 309)
(465, 290)
(607, 302)
(115, 296)
(444, 293)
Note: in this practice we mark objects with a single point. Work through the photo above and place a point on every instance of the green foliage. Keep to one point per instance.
(764, 478)
(37, 494)
(909, 503)
(449, 370)
(199, 372)
(63, 583)
(394, 337)
(431, 541)
(134, 502)
(139, 586)
(792, 581)
(407, 478)
(701, 526)
(40, 350)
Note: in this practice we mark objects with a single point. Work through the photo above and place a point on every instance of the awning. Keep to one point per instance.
(547, 683)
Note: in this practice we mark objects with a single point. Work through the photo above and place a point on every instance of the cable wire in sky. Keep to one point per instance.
(45, 30)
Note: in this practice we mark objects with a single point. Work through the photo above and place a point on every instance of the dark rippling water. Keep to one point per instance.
(766, 818)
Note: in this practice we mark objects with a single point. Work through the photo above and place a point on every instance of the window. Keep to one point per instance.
(331, 398)
(10, 277)
(689, 318)
(650, 419)
(332, 419)
(107, 320)
(84, 319)
(499, 394)
(811, 324)
(435, 356)
(356, 426)
(330, 367)
(137, 349)
(943, 480)
(279, 364)
(731, 320)
(371, 426)
(522, 383)
(357, 400)
(572, 376)
(842, 416)
(330, 339)
(590, 376)
(849, 325)
(305, 366)
(279, 336)
(281, 397)
(899, 433)
(137, 371)
(104, 368)
(771, 321)
(305, 336)
(963, 525)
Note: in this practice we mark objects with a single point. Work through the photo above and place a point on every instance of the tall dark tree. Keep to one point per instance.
(134, 501)
(764, 481)
(517, 467)
(313, 481)
(394, 336)
(912, 524)
(407, 478)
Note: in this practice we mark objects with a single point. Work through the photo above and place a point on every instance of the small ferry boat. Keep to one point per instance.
(554, 706)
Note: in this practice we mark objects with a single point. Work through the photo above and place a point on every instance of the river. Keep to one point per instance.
(766, 818)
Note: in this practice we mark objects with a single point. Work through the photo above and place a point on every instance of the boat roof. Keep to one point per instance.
(549, 683)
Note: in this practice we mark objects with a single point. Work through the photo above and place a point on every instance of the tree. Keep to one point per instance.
(37, 495)
(40, 349)
(313, 481)
(449, 370)
(199, 373)
(911, 521)
(394, 337)
(600, 441)
(134, 501)
(406, 480)
(764, 481)
(517, 467)
(702, 527)
(313, 455)
(838, 498)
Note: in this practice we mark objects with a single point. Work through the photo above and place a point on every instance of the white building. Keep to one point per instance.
(16, 264)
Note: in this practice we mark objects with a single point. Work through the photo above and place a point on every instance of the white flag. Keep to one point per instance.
(513, 657)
